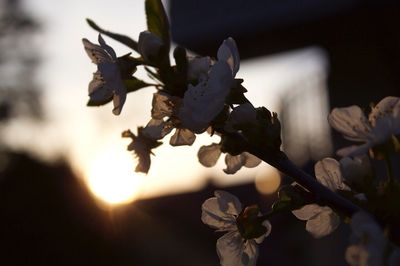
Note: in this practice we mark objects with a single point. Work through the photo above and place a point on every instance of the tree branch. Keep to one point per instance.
(322, 194)
(280, 161)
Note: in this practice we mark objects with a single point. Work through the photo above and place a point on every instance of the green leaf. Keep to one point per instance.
(290, 198)
(249, 224)
(157, 21)
(134, 84)
(127, 65)
(118, 37)
(92, 103)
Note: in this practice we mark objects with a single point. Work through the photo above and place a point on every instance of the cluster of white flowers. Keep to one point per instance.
(210, 82)
(369, 246)
(382, 123)
(234, 249)
(322, 220)
(201, 102)
(202, 94)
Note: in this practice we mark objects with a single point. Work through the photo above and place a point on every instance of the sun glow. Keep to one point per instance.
(111, 176)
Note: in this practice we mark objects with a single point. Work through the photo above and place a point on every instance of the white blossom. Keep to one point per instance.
(209, 155)
(220, 212)
(322, 220)
(157, 128)
(107, 82)
(382, 123)
(198, 67)
(182, 136)
(205, 100)
(165, 106)
(234, 163)
(368, 242)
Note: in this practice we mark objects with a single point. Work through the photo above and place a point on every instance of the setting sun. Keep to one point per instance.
(111, 176)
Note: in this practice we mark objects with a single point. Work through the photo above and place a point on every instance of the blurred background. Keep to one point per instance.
(68, 192)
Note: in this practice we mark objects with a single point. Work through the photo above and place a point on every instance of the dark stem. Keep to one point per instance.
(279, 160)
(323, 195)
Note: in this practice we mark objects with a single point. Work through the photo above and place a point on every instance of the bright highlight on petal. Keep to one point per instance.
(111, 177)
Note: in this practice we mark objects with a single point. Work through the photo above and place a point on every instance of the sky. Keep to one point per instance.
(90, 138)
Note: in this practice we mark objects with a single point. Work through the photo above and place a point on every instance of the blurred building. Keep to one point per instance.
(359, 40)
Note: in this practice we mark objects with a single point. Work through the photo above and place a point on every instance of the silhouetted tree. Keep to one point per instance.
(19, 93)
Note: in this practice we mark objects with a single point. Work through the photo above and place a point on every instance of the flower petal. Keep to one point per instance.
(198, 66)
(230, 248)
(98, 90)
(351, 122)
(385, 117)
(119, 98)
(250, 253)
(96, 53)
(209, 155)
(250, 160)
(307, 211)
(355, 150)
(203, 102)
(110, 73)
(162, 105)
(267, 225)
(233, 163)
(212, 216)
(157, 129)
(356, 256)
(182, 136)
(142, 146)
(355, 170)
(323, 223)
(388, 106)
(228, 52)
(368, 241)
(108, 48)
(228, 202)
(362, 223)
(328, 173)
(220, 211)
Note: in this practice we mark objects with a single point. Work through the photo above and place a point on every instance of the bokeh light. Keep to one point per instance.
(268, 182)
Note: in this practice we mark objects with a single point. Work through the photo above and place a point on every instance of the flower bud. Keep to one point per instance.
(149, 46)
(249, 224)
